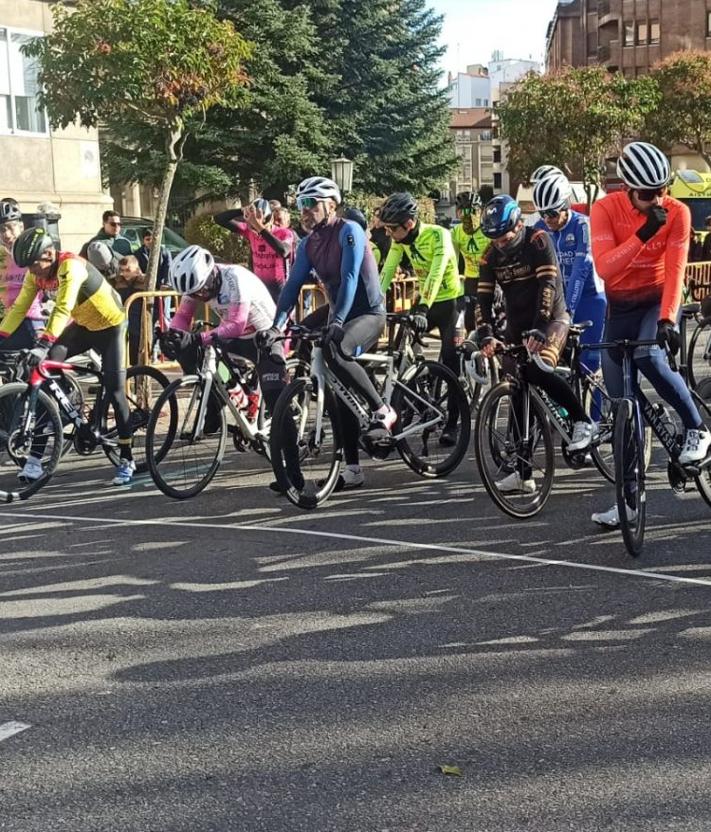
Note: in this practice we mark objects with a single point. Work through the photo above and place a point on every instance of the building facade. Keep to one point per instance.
(40, 165)
(629, 36)
(469, 89)
(471, 127)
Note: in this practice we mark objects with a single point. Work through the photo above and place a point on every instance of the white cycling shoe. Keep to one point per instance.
(583, 433)
(32, 470)
(513, 482)
(696, 446)
(610, 519)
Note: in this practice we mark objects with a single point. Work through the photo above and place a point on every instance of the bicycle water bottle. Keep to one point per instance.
(460, 333)
(239, 397)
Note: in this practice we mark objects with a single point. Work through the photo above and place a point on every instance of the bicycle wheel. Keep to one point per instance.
(306, 445)
(69, 383)
(629, 476)
(181, 460)
(143, 387)
(295, 368)
(502, 452)
(699, 357)
(472, 370)
(428, 400)
(23, 435)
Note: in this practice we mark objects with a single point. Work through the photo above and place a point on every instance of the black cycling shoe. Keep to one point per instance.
(449, 435)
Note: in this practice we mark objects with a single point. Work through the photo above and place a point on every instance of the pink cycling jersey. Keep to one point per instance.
(243, 303)
(14, 277)
(267, 264)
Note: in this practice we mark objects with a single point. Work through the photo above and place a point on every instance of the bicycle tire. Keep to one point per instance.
(426, 379)
(474, 390)
(140, 413)
(627, 456)
(167, 456)
(498, 405)
(699, 367)
(295, 368)
(296, 401)
(14, 398)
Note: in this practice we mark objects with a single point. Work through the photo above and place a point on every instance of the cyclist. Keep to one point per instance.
(245, 307)
(11, 226)
(430, 250)
(523, 262)
(271, 246)
(337, 250)
(640, 239)
(469, 243)
(570, 233)
(87, 314)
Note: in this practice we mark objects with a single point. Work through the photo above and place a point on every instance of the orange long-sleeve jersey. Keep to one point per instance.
(635, 272)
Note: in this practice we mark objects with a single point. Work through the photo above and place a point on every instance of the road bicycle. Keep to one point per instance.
(696, 360)
(516, 423)
(185, 444)
(630, 414)
(40, 415)
(307, 434)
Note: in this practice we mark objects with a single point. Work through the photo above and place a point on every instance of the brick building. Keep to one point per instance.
(625, 35)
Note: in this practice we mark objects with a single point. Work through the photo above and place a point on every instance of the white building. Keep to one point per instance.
(469, 89)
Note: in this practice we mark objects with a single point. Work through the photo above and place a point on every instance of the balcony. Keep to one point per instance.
(606, 15)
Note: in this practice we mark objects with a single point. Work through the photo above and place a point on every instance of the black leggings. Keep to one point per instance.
(443, 316)
(361, 334)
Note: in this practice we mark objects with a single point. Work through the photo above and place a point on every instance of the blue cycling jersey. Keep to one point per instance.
(338, 252)
(572, 248)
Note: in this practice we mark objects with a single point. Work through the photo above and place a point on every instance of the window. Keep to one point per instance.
(654, 31)
(478, 102)
(486, 102)
(629, 34)
(641, 33)
(19, 112)
(497, 181)
(708, 24)
(497, 155)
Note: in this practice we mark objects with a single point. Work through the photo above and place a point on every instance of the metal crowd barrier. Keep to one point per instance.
(698, 280)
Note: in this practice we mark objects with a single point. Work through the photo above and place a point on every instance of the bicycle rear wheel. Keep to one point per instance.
(182, 460)
(699, 358)
(306, 444)
(143, 387)
(430, 395)
(502, 452)
(43, 441)
(629, 476)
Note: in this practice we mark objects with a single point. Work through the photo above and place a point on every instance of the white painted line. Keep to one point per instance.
(384, 541)
(9, 729)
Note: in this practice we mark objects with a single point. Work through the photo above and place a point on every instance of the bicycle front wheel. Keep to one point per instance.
(306, 444)
(699, 359)
(434, 419)
(629, 476)
(182, 460)
(25, 434)
(516, 461)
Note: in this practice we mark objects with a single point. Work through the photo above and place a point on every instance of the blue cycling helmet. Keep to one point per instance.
(501, 214)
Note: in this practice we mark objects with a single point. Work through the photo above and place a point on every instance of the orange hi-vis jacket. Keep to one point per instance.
(637, 273)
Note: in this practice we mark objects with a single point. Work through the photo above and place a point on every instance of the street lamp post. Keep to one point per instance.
(342, 173)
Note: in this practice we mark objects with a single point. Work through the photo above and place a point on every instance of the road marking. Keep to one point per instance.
(383, 541)
(9, 729)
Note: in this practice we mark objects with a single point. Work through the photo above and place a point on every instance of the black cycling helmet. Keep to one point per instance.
(357, 216)
(501, 215)
(9, 212)
(29, 246)
(398, 208)
(468, 199)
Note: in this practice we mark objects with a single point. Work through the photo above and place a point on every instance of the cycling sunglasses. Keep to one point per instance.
(306, 202)
(551, 214)
(648, 194)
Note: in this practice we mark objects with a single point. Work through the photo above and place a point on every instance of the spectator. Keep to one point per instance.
(161, 306)
(706, 249)
(110, 234)
(379, 239)
(129, 281)
(696, 248)
(270, 246)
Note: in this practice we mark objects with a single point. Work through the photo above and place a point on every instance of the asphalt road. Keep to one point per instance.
(231, 664)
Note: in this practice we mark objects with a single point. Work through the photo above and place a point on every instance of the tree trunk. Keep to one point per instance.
(174, 151)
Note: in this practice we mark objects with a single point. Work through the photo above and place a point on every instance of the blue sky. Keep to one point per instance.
(473, 29)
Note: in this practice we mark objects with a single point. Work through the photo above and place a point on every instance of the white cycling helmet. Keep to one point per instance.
(642, 165)
(552, 194)
(190, 270)
(318, 187)
(543, 172)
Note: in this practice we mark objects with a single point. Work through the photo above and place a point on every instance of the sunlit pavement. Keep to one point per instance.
(231, 663)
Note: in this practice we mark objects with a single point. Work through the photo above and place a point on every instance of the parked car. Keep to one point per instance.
(133, 228)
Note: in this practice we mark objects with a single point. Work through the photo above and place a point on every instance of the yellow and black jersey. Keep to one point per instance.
(82, 294)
